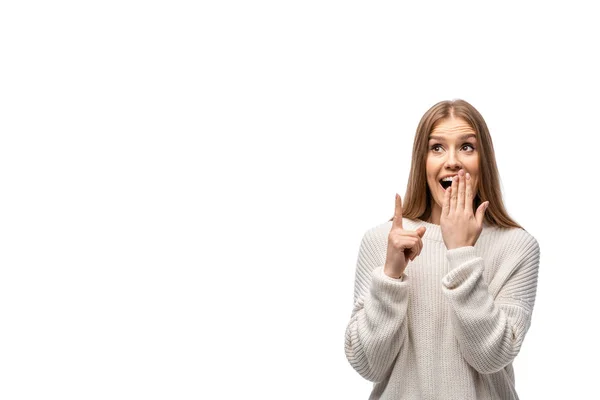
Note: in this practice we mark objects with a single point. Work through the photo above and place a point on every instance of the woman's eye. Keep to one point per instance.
(436, 146)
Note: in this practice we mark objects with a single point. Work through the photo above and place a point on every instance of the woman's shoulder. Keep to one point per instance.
(379, 231)
(516, 238)
(382, 230)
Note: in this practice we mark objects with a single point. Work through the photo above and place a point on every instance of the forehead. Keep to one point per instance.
(450, 128)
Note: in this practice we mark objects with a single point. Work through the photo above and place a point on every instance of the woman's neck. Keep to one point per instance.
(436, 213)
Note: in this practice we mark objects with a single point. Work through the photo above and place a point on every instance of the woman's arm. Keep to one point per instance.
(490, 332)
(377, 327)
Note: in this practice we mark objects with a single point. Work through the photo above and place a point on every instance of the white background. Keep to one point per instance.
(184, 185)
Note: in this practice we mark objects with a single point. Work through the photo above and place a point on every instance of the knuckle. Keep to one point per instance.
(395, 242)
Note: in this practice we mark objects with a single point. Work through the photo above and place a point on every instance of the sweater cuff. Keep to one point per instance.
(391, 288)
(463, 261)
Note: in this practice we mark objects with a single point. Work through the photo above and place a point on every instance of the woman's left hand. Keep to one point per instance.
(458, 224)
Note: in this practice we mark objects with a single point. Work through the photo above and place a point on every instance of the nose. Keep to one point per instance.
(452, 161)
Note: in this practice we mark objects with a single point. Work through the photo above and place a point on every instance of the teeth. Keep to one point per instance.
(448, 179)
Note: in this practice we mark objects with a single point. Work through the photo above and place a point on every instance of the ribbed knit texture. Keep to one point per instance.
(451, 327)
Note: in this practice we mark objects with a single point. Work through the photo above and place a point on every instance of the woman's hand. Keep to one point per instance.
(458, 224)
(403, 245)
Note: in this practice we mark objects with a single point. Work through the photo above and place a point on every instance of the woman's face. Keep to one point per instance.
(452, 146)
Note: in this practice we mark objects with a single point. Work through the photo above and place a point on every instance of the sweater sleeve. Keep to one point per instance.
(490, 331)
(377, 327)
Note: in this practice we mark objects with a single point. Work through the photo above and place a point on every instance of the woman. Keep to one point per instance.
(444, 291)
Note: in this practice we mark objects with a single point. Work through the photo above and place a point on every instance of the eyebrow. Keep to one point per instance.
(463, 137)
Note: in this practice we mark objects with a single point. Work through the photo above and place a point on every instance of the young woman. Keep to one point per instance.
(444, 291)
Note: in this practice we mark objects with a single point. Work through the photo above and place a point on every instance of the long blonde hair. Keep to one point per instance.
(417, 201)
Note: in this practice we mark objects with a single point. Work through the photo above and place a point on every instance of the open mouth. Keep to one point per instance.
(445, 184)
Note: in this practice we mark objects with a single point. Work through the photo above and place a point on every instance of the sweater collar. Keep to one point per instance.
(434, 231)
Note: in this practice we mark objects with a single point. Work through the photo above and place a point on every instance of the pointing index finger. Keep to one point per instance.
(398, 213)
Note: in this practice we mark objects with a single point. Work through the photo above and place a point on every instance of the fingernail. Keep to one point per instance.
(468, 176)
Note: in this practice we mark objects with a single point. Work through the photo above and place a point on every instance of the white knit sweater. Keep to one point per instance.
(452, 326)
